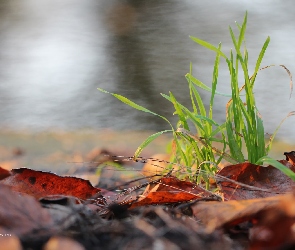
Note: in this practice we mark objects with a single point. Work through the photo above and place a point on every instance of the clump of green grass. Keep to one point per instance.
(243, 126)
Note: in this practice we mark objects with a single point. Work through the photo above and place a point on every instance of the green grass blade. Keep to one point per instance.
(148, 141)
(261, 150)
(250, 100)
(251, 125)
(198, 83)
(242, 31)
(116, 165)
(278, 165)
(199, 101)
(259, 60)
(234, 147)
(179, 148)
(239, 26)
(261, 54)
(189, 80)
(179, 112)
(216, 140)
(191, 115)
(234, 39)
(223, 150)
(128, 102)
(205, 118)
(198, 152)
(208, 46)
(133, 104)
(206, 147)
(219, 129)
(196, 119)
(214, 82)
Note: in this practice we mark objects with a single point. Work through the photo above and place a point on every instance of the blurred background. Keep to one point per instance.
(54, 54)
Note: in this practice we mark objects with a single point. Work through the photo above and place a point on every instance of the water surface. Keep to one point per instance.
(55, 54)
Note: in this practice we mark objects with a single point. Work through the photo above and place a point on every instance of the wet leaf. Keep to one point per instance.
(249, 181)
(40, 184)
(170, 190)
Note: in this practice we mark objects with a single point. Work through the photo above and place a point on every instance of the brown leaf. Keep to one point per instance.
(290, 157)
(219, 214)
(170, 190)
(275, 226)
(259, 181)
(21, 214)
(40, 184)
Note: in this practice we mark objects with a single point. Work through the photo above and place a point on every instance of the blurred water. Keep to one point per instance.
(54, 54)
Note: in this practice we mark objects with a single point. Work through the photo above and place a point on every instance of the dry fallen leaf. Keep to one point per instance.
(170, 190)
(40, 184)
(290, 157)
(215, 215)
(264, 181)
(22, 214)
(275, 227)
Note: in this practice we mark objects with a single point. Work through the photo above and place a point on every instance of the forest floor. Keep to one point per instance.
(167, 214)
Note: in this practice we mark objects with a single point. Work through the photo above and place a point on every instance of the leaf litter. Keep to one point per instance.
(254, 208)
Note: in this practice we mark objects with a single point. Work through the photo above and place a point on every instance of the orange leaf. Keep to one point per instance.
(40, 184)
(170, 190)
(164, 197)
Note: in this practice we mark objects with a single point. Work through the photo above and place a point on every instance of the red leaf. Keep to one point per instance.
(164, 197)
(40, 184)
(4, 173)
(270, 179)
(170, 190)
(173, 184)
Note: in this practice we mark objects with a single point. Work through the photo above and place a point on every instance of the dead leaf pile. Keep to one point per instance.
(255, 209)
